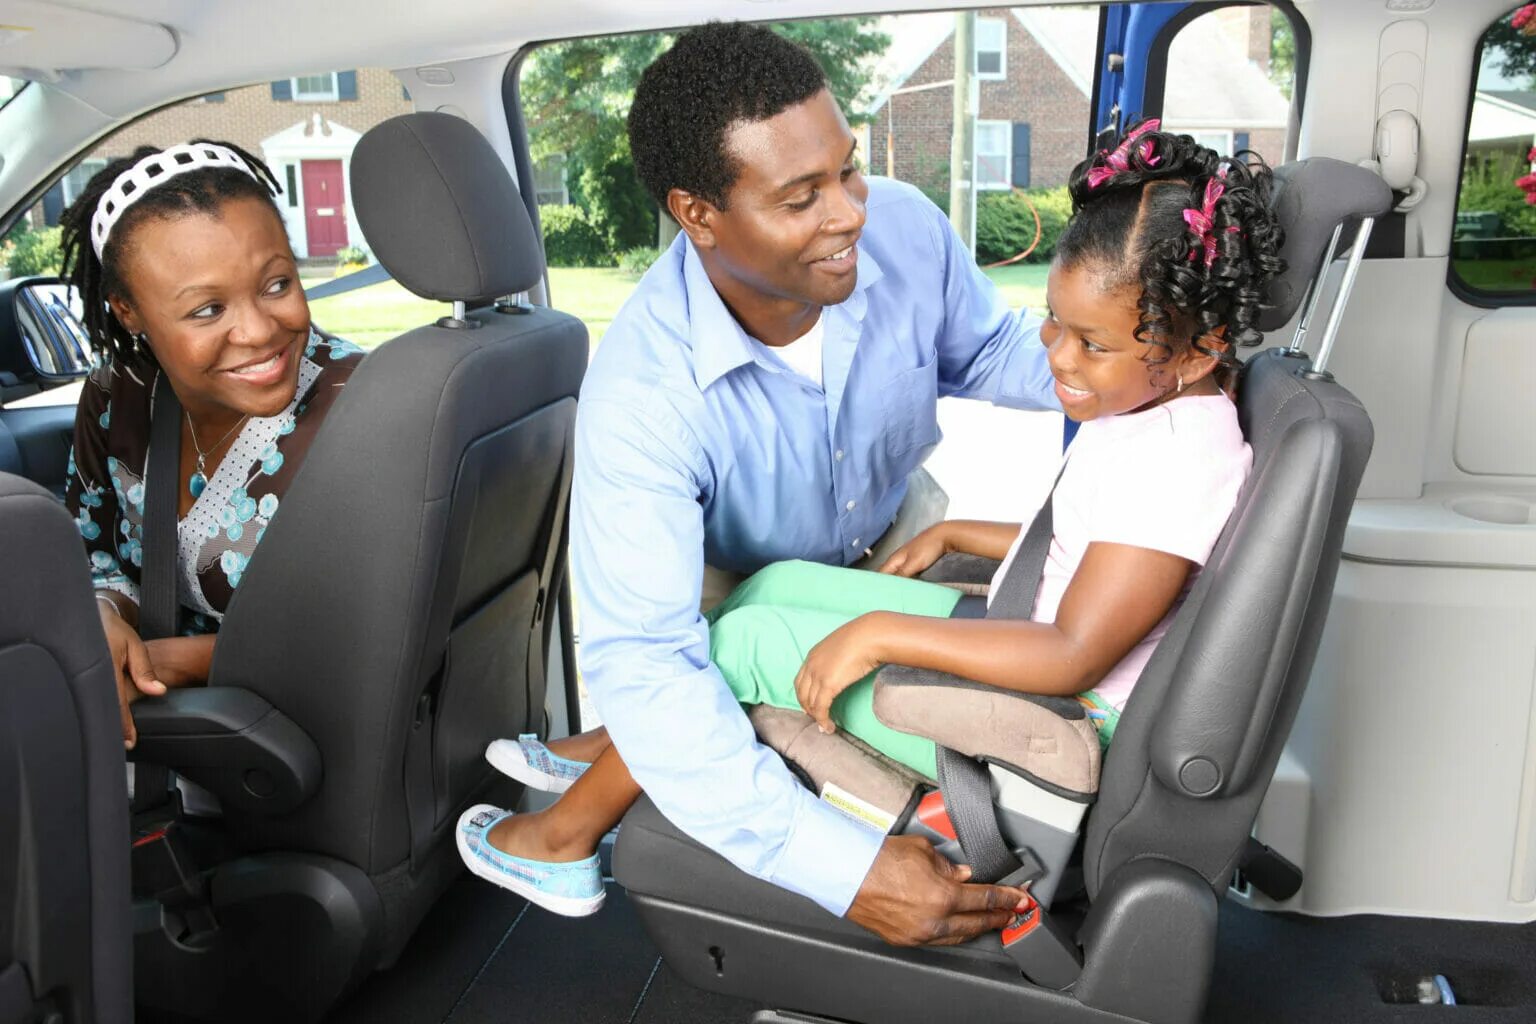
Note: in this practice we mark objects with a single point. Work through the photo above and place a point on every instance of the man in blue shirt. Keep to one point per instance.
(707, 436)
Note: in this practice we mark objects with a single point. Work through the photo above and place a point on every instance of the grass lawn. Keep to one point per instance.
(373, 315)
(1497, 275)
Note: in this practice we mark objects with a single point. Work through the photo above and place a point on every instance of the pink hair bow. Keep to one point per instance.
(1118, 160)
(1202, 221)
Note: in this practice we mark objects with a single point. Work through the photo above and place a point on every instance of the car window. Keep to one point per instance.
(304, 127)
(1230, 78)
(1033, 76)
(9, 88)
(1493, 245)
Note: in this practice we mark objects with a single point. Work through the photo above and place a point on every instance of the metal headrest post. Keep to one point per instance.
(1347, 285)
(1314, 293)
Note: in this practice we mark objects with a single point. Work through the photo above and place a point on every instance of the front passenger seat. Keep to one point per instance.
(393, 621)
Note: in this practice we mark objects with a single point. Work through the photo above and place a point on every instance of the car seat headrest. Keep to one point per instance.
(1312, 197)
(440, 211)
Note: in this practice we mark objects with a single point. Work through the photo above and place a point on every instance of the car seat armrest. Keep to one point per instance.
(956, 568)
(231, 742)
(1048, 740)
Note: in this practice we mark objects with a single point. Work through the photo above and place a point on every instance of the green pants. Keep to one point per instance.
(760, 635)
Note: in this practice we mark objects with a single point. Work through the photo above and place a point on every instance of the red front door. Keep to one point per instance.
(325, 207)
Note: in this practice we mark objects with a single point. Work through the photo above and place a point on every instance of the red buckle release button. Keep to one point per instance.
(1022, 925)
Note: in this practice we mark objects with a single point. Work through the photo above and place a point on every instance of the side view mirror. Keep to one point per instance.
(42, 332)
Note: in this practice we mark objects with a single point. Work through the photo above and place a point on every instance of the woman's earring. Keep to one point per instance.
(1179, 391)
(141, 340)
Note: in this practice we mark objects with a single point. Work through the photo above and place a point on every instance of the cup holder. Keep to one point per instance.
(1497, 508)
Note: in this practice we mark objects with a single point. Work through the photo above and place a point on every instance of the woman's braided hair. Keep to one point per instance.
(204, 190)
(1128, 216)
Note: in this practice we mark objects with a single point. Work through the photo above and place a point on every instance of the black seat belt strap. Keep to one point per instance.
(162, 472)
(158, 602)
(963, 780)
(538, 655)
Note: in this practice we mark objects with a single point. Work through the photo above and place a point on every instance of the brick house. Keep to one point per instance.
(1034, 68)
(304, 128)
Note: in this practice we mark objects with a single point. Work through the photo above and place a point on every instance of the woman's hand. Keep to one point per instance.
(918, 553)
(133, 667)
(847, 655)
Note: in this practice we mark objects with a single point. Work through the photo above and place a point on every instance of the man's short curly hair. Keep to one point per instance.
(713, 77)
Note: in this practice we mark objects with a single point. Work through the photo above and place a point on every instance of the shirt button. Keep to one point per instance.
(851, 505)
(838, 455)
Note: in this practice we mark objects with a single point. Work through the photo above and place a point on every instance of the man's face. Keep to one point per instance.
(794, 215)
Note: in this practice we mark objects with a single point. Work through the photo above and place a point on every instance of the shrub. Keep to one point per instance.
(635, 262)
(1005, 223)
(570, 240)
(35, 252)
(1488, 186)
(352, 257)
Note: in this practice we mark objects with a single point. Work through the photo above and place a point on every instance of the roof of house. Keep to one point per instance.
(1500, 115)
(1212, 84)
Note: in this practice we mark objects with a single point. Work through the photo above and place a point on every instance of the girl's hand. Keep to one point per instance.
(918, 553)
(132, 665)
(847, 655)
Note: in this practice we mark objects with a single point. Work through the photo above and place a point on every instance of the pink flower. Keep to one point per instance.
(1531, 156)
(1530, 199)
(1526, 182)
(1523, 16)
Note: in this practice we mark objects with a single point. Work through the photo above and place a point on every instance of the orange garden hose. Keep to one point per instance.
(1031, 247)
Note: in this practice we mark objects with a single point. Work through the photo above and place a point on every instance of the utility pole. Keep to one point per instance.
(962, 145)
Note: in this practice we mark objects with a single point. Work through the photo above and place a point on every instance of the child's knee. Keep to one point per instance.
(738, 642)
(773, 583)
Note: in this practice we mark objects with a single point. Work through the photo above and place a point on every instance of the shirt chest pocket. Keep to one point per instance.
(911, 401)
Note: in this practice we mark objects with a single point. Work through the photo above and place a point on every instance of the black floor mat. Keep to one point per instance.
(485, 957)
(1285, 969)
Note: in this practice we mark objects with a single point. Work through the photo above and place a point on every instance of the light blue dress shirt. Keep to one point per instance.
(696, 444)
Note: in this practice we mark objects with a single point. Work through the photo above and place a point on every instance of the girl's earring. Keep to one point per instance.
(1179, 391)
(141, 340)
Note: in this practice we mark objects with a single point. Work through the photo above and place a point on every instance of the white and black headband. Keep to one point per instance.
(153, 170)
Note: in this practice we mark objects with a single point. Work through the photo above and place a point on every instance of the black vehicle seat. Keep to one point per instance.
(1181, 784)
(393, 621)
(64, 932)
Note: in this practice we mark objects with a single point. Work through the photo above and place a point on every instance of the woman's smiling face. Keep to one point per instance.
(1099, 366)
(218, 296)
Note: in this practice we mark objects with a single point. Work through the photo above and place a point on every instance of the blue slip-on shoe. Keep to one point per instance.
(574, 890)
(531, 763)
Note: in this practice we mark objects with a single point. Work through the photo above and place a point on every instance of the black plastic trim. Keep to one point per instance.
(234, 743)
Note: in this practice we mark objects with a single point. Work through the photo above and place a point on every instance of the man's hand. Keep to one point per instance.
(845, 656)
(918, 553)
(913, 896)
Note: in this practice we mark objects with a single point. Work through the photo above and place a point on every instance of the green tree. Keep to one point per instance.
(576, 98)
(1282, 51)
(1512, 49)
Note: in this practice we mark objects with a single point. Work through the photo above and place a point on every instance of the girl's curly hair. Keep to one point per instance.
(1128, 207)
(204, 190)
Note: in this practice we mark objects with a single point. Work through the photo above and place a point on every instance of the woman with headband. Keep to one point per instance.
(190, 288)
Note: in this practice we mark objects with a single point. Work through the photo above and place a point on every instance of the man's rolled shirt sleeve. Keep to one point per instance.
(637, 537)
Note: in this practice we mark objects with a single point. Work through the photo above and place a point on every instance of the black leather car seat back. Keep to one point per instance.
(395, 608)
(64, 934)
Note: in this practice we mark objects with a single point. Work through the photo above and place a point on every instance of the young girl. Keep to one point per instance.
(1158, 275)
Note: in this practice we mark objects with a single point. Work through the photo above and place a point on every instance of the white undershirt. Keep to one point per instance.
(803, 355)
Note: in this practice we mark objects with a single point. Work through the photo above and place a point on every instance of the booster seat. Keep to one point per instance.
(1168, 810)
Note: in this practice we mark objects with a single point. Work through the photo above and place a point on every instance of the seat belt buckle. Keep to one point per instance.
(1040, 947)
(163, 870)
(930, 819)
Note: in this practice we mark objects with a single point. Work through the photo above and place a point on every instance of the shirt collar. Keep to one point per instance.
(719, 344)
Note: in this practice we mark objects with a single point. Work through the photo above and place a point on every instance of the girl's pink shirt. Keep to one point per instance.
(1166, 479)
